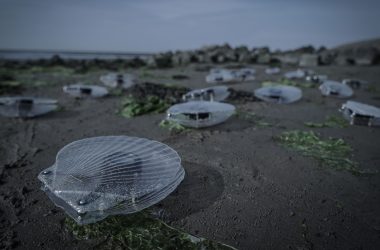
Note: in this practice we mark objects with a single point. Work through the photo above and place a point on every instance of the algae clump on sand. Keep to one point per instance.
(330, 122)
(132, 106)
(332, 153)
(138, 231)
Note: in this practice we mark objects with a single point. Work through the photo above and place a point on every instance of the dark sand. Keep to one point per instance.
(242, 188)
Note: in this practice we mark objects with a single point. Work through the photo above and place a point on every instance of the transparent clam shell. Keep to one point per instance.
(225, 75)
(361, 114)
(217, 93)
(297, 74)
(26, 106)
(279, 94)
(114, 80)
(100, 176)
(81, 90)
(199, 114)
(337, 89)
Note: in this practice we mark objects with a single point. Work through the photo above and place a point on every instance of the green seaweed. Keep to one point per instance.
(132, 106)
(330, 122)
(172, 126)
(138, 231)
(332, 153)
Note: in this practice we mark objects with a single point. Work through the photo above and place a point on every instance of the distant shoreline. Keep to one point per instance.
(27, 54)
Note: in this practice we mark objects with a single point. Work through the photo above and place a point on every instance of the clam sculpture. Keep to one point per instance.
(221, 76)
(81, 90)
(279, 94)
(115, 80)
(26, 106)
(361, 114)
(101, 176)
(224, 75)
(199, 114)
(217, 93)
(337, 89)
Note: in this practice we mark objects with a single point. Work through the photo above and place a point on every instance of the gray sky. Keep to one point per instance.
(158, 25)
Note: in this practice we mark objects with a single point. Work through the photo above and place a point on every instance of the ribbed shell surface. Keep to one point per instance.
(279, 94)
(112, 175)
(200, 113)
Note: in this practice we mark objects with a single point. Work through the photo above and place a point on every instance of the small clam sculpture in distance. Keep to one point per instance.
(101, 176)
(217, 93)
(336, 89)
(361, 114)
(279, 94)
(81, 90)
(26, 107)
(199, 114)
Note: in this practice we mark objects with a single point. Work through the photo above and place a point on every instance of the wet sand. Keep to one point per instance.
(241, 187)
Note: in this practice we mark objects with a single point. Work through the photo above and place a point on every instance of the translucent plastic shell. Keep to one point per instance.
(217, 93)
(279, 94)
(96, 177)
(221, 76)
(81, 90)
(361, 114)
(199, 114)
(225, 75)
(26, 106)
(337, 89)
(114, 80)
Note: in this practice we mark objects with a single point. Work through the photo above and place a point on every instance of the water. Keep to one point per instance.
(78, 55)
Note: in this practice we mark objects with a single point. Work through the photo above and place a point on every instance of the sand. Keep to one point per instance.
(241, 187)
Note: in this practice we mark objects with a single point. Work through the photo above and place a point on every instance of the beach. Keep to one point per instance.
(242, 186)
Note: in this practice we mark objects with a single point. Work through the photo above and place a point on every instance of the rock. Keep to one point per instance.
(181, 58)
(362, 56)
(242, 54)
(151, 62)
(366, 56)
(263, 58)
(327, 57)
(308, 60)
(288, 58)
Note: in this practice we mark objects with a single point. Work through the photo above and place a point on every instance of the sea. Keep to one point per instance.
(75, 55)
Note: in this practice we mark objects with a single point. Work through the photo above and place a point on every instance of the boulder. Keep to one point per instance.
(264, 58)
(181, 58)
(289, 58)
(308, 60)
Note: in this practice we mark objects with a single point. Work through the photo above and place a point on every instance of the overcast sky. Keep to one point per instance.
(158, 25)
